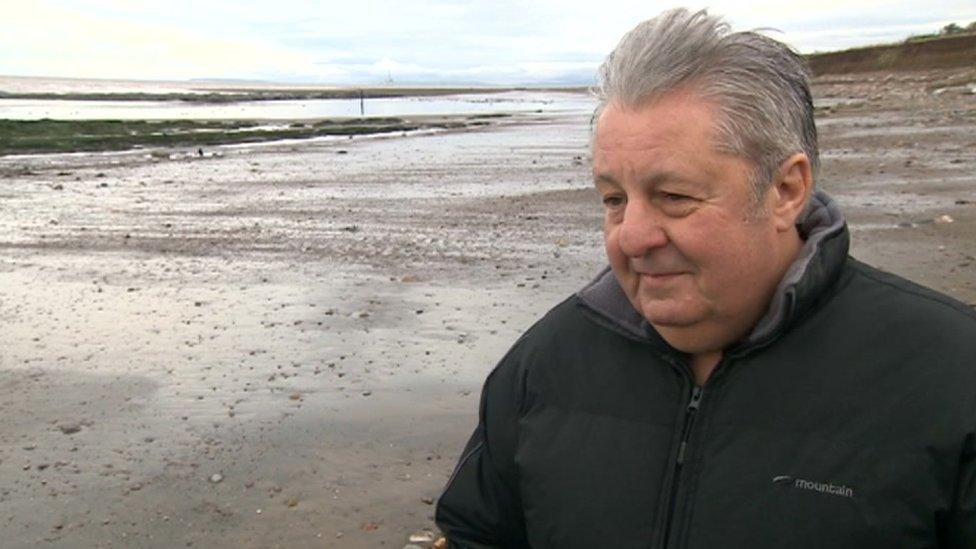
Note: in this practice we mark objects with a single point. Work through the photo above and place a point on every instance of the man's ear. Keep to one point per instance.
(790, 191)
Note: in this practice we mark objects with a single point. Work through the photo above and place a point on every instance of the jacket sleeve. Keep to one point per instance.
(481, 506)
(960, 525)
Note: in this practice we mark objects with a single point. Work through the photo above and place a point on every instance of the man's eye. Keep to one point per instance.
(676, 205)
(612, 201)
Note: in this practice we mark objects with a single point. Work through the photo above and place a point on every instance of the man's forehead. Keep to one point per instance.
(681, 116)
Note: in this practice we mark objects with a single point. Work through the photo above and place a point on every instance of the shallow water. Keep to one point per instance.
(503, 102)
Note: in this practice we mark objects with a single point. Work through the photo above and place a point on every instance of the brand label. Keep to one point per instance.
(814, 486)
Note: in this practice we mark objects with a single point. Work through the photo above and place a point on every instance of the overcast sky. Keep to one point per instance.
(408, 41)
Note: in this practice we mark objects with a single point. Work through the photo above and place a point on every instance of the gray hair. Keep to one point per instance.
(760, 86)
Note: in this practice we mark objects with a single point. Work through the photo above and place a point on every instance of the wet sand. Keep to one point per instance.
(283, 346)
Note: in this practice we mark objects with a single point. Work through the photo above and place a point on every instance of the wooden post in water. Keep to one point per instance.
(362, 103)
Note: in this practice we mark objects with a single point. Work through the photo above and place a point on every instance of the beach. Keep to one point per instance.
(283, 344)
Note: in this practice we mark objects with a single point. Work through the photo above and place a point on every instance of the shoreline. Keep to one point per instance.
(217, 95)
(32, 137)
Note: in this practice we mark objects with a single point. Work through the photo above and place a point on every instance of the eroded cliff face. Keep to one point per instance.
(954, 52)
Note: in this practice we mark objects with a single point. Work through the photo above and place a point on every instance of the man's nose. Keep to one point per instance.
(641, 229)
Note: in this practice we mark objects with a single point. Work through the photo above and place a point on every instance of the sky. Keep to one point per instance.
(404, 42)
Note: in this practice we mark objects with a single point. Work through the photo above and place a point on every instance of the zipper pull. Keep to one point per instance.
(693, 404)
(696, 395)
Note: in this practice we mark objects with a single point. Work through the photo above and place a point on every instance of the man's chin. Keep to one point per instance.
(686, 334)
(670, 315)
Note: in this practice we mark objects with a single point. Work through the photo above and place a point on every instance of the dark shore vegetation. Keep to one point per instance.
(56, 136)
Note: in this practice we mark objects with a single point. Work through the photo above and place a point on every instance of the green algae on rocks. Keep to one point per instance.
(56, 136)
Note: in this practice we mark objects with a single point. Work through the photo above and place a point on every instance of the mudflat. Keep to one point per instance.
(282, 345)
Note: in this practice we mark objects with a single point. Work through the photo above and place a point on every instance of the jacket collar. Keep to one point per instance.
(826, 240)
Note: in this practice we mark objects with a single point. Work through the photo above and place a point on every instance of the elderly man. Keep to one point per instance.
(734, 379)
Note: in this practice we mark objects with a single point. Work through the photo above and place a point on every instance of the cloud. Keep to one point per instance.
(79, 44)
(367, 41)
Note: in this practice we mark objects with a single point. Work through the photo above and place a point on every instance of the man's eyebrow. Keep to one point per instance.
(658, 177)
(648, 180)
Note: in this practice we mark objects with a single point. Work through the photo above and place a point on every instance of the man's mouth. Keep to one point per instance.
(660, 277)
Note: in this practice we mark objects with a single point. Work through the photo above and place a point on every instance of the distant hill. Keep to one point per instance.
(934, 52)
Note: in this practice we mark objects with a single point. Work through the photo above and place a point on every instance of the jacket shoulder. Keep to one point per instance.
(563, 325)
(891, 293)
(566, 330)
(564, 319)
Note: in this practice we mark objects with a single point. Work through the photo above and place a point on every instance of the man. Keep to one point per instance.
(734, 379)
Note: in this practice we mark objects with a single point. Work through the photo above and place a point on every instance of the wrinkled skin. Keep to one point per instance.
(690, 247)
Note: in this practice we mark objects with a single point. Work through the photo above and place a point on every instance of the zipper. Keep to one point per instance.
(690, 412)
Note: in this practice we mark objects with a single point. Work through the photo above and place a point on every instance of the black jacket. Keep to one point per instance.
(847, 418)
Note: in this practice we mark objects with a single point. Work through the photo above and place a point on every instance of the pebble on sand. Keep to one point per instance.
(70, 428)
(425, 536)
